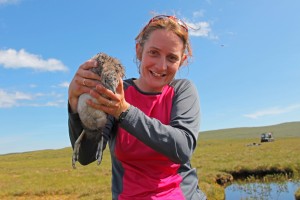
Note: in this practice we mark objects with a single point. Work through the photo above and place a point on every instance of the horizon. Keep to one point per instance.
(255, 126)
(199, 134)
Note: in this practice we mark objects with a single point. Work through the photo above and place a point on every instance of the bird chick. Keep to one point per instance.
(93, 121)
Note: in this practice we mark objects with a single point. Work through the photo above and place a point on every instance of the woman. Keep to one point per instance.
(154, 120)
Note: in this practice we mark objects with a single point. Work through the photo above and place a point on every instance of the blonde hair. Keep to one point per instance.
(166, 23)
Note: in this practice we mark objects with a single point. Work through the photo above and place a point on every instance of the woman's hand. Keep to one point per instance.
(83, 81)
(107, 101)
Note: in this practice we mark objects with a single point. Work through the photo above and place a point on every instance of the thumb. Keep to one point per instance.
(119, 89)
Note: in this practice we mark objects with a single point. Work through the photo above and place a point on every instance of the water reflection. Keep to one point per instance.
(262, 191)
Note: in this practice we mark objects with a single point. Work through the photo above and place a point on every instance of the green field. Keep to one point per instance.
(221, 156)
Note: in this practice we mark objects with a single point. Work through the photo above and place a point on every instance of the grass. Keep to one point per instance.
(297, 194)
(49, 174)
(221, 161)
(221, 157)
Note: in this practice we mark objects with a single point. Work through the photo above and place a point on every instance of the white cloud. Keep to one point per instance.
(17, 99)
(201, 29)
(199, 13)
(11, 99)
(11, 58)
(2, 2)
(64, 84)
(273, 111)
(56, 103)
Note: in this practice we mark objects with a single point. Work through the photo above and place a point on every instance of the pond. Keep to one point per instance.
(262, 191)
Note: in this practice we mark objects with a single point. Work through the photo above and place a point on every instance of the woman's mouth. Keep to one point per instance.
(157, 74)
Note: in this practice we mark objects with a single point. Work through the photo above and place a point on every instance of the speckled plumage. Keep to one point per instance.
(110, 70)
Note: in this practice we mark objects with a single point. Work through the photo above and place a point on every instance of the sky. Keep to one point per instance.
(246, 60)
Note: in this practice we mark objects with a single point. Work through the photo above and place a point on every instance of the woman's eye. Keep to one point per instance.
(152, 52)
(173, 58)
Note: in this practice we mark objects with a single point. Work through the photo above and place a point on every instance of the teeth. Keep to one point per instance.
(156, 74)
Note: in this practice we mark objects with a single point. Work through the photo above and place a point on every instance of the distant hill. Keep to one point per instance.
(289, 129)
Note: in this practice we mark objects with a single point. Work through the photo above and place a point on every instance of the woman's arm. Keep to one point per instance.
(178, 139)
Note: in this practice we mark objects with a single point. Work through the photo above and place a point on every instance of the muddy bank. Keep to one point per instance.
(257, 174)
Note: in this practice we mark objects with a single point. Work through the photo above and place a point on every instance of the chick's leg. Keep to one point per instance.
(99, 151)
(76, 149)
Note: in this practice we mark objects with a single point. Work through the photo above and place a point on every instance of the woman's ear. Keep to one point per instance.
(138, 51)
(183, 59)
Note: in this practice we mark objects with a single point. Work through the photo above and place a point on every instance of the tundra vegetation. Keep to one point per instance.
(297, 194)
(221, 157)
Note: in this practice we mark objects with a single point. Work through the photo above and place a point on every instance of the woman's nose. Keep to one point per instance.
(163, 65)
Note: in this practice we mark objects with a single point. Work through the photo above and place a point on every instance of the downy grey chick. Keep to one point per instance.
(110, 70)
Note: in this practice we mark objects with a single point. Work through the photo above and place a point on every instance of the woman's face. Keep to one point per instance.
(161, 58)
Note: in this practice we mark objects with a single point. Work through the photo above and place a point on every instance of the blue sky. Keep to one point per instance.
(246, 62)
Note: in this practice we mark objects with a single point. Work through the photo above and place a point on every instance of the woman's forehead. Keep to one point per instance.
(164, 39)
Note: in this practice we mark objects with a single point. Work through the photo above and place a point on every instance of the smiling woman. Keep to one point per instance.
(154, 119)
(158, 64)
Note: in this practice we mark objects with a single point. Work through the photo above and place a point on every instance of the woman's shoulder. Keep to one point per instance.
(128, 82)
(182, 84)
(184, 88)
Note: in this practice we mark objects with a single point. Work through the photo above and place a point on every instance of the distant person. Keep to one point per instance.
(154, 120)
(270, 135)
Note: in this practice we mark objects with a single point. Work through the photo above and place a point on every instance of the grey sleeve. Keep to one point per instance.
(89, 144)
(177, 141)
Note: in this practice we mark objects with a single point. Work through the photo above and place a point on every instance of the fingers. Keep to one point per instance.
(106, 92)
(82, 82)
(101, 100)
(118, 102)
(107, 101)
(84, 76)
(120, 89)
(123, 104)
(84, 69)
(88, 64)
(103, 103)
(87, 82)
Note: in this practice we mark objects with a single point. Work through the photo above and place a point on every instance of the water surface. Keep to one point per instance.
(262, 191)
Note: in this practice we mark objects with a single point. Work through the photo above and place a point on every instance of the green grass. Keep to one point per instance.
(222, 155)
(49, 174)
(225, 160)
(297, 194)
